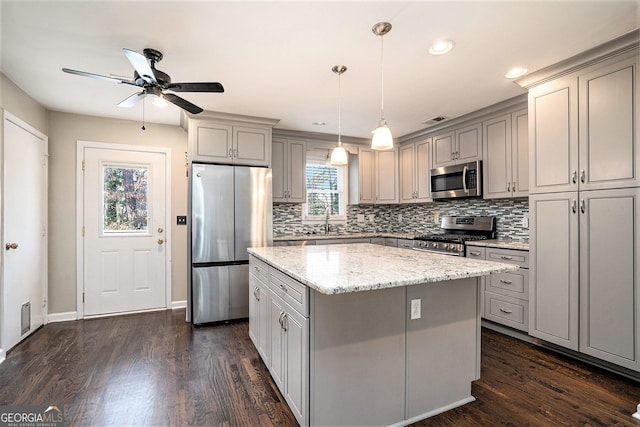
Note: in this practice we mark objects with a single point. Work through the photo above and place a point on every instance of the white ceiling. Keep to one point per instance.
(274, 58)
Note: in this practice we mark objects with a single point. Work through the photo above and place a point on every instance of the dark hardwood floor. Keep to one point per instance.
(155, 369)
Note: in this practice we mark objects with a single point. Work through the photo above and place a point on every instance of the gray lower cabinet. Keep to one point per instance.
(584, 290)
(259, 308)
(342, 241)
(405, 243)
(289, 328)
(476, 252)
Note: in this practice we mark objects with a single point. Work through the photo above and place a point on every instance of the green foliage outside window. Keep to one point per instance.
(323, 190)
(125, 198)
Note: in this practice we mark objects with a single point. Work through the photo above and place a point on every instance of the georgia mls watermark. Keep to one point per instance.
(32, 416)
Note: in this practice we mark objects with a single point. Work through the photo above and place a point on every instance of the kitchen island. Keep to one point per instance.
(363, 334)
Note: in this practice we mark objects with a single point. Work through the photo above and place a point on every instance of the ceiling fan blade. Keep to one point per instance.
(141, 65)
(182, 103)
(99, 76)
(196, 87)
(132, 100)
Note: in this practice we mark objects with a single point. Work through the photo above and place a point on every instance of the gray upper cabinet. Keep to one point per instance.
(460, 146)
(506, 156)
(609, 294)
(366, 179)
(415, 172)
(386, 177)
(376, 179)
(227, 143)
(289, 165)
(583, 130)
(608, 112)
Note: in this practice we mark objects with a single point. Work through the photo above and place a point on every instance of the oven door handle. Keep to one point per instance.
(464, 179)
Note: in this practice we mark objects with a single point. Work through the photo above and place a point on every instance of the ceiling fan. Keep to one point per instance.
(153, 81)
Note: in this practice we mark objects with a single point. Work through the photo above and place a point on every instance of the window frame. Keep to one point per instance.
(320, 219)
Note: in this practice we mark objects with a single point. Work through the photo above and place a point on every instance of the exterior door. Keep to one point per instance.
(124, 244)
(24, 222)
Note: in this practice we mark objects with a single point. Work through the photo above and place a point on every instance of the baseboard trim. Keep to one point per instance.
(178, 304)
(62, 317)
(434, 412)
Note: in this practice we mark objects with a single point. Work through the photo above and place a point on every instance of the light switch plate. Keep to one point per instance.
(360, 218)
(372, 217)
(416, 309)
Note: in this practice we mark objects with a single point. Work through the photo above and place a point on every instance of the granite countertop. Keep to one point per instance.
(322, 236)
(339, 269)
(519, 245)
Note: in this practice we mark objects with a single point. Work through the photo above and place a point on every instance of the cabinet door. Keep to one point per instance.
(469, 144)
(422, 185)
(443, 148)
(252, 146)
(553, 136)
(365, 175)
(297, 171)
(297, 364)
(609, 294)
(211, 142)
(279, 177)
(497, 157)
(519, 154)
(407, 174)
(263, 330)
(609, 153)
(386, 170)
(553, 295)
(276, 363)
(254, 318)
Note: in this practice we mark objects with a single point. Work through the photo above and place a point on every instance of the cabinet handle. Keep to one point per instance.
(284, 288)
(574, 177)
(230, 152)
(582, 206)
(513, 186)
(285, 322)
(453, 155)
(474, 253)
(508, 187)
(506, 311)
(506, 282)
(506, 257)
(574, 206)
(256, 293)
(280, 319)
(582, 177)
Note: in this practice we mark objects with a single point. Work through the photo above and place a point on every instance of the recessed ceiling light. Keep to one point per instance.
(441, 47)
(516, 72)
(318, 123)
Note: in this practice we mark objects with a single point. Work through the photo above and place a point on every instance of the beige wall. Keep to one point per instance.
(17, 102)
(64, 130)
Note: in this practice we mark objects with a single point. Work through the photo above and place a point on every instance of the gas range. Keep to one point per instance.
(455, 232)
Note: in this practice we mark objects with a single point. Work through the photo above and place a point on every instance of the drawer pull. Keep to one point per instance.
(506, 282)
(283, 287)
(506, 311)
(474, 253)
(506, 257)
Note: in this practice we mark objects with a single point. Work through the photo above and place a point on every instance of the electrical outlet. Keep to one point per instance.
(436, 217)
(181, 220)
(372, 218)
(399, 217)
(416, 309)
(360, 218)
(525, 220)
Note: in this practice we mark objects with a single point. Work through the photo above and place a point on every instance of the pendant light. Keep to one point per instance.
(382, 139)
(339, 155)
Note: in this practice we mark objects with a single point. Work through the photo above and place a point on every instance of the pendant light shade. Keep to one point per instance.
(382, 138)
(339, 154)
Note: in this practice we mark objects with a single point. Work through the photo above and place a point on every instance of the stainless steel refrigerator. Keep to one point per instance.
(230, 210)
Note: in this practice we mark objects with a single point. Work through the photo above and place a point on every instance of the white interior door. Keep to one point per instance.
(24, 224)
(124, 230)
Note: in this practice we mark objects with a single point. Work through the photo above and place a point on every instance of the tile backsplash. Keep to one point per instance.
(412, 218)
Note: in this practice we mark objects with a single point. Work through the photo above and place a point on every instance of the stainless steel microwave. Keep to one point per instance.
(462, 180)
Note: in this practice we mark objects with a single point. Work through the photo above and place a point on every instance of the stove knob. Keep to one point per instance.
(452, 246)
(434, 245)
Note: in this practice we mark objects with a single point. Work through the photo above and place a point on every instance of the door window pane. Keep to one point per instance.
(125, 198)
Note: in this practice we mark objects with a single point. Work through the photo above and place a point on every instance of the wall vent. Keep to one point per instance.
(26, 317)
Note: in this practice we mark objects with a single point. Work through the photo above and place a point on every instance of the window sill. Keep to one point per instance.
(315, 221)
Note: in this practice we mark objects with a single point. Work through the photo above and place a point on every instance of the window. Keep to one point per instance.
(125, 199)
(326, 188)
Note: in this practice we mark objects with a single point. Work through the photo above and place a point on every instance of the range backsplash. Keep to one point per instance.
(416, 218)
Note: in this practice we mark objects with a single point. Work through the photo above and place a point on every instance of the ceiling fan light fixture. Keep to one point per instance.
(159, 102)
(382, 138)
(339, 154)
(441, 47)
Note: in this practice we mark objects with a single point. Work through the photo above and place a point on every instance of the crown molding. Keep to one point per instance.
(318, 137)
(227, 117)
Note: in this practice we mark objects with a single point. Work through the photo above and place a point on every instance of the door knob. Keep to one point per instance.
(11, 246)
(160, 230)
(160, 241)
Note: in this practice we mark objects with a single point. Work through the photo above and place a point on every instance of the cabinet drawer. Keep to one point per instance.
(259, 268)
(475, 252)
(507, 311)
(514, 284)
(294, 293)
(520, 258)
(405, 243)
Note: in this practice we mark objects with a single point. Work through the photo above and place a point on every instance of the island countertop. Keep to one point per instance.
(339, 269)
